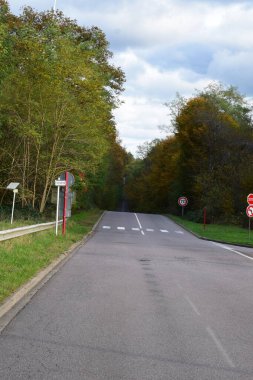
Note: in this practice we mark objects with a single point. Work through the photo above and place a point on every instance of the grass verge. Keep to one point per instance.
(223, 233)
(21, 258)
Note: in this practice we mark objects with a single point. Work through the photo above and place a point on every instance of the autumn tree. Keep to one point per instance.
(55, 103)
(212, 129)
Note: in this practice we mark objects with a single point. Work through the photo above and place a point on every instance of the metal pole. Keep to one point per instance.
(55, 6)
(57, 210)
(249, 228)
(204, 218)
(13, 204)
(65, 204)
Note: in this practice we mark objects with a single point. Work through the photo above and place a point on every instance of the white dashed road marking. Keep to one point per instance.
(220, 347)
(121, 228)
(192, 304)
(139, 224)
(179, 232)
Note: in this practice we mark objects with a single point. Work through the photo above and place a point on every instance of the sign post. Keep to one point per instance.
(59, 183)
(204, 218)
(65, 204)
(183, 202)
(14, 187)
(249, 210)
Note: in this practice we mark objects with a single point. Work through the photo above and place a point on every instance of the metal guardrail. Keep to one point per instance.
(20, 231)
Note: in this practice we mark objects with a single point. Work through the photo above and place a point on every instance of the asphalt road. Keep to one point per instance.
(142, 300)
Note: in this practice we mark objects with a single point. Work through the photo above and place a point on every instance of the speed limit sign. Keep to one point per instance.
(182, 201)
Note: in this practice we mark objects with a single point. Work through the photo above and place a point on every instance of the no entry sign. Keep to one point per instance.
(250, 199)
(182, 201)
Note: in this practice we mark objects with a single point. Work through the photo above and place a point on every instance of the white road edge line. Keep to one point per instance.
(232, 250)
(220, 347)
(192, 305)
(139, 224)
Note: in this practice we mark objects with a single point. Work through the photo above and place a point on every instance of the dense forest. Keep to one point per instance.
(207, 156)
(58, 89)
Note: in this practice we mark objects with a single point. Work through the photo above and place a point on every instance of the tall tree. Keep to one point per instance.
(56, 102)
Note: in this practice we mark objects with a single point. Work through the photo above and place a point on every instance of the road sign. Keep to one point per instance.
(60, 183)
(250, 199)
(71, 178)
(12, 186)
(182, 201)
(249, 211)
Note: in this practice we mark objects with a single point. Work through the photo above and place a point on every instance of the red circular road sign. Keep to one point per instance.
(249, 211)
(182, 201)
(250, 199)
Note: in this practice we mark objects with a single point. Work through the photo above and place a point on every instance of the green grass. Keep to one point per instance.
(23, 257)
(225, 233)
(4, 225)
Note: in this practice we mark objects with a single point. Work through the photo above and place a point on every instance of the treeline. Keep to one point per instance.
(208, 158)
(57, 93)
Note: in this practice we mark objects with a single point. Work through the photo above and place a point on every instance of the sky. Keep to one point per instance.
(166, 47)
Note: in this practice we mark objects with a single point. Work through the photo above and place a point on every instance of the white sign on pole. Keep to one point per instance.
(60, 183)
(12, 186)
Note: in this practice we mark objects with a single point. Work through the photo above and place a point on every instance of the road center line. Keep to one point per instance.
(192, 305)
(220, 347)
(139, 224)
(232, 250)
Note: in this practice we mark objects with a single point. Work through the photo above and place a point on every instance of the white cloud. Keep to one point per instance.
(234, 68)
(138, 120)
(164, 47)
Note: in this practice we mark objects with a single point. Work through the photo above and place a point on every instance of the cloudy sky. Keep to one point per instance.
(165, 47)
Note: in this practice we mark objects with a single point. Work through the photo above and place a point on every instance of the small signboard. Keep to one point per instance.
(59, 182)
(249, 211)
(250, 199)
(12, 186)
(182, 201)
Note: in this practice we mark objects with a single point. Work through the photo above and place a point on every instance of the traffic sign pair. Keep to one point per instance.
(249, 209)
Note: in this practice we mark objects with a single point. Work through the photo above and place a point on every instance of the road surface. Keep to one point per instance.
(141, 300)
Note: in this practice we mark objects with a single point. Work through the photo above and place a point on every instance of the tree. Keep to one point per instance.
(212, 129)
(56, 102)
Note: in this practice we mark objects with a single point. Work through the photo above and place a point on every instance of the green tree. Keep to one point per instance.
(56, 102)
